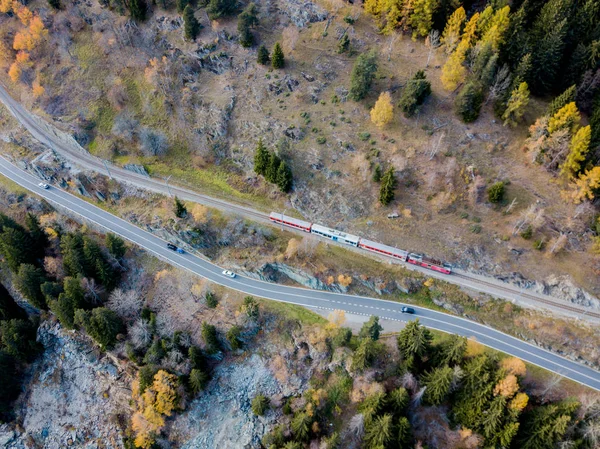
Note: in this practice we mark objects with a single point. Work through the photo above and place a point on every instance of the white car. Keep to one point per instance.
(228, 273)
(43, 185)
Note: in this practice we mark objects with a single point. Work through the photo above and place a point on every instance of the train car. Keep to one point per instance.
(380, 248)
(291, 222)
(335, 235)
(427, 262)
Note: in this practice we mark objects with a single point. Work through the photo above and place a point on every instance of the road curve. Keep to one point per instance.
(66, 145)
(305, 297)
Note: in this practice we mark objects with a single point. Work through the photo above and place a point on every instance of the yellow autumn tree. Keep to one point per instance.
(470, 32)
(514, 365)
(388, 13)
(421, 19)
(14, 72)
(566, 117)
(6, 6)
(577, 152)
(519, 402)
(496, 29)
(586, 186)
(516, 105)
(383, 111)
(37, 89)
(454, 72)
(451, 34)
(507, 387)
(336, 319)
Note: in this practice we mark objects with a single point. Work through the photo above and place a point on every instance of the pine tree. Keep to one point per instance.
(71, 246)
(272, 168)
(421, 19)
(277, 58)
(453, 71)
(377, 173)
(220, 8)
(453, 30)
(115, 245)
(343, 44)
(568, 96)
(138, 9)
(578, 149)
(70, 300)
(260, 404)
(414, 340)
(404, 433)
(261, 158)
(468, 102)
(284, 177)
(28, 281)
(497, 28)
(191, 26)
(198, 380)
(181, 4)
(102, 324)
(263, 55)
(233, 337)
(566, 117)
(301, 426)
(247, 19)
(438, 383)
(37, 234)
(16, 247)
(371, 329)
(379, 432)
(516, 105)
(364, 355)
(452, 350)
(383, 111)
(179, 208)
(414, 94)
(388, 185)
(209, 335)
(363, 73)
(18, 338)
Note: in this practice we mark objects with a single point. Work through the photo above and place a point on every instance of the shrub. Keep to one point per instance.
(496, 192)
(527, 233)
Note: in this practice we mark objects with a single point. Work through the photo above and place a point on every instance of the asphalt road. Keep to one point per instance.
(305, 297)
(65, 145)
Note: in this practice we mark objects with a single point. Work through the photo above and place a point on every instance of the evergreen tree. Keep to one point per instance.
(388, 185)
(496, 28)
(71, 299)
(404, 433)
(102, 324)
(261, 158)
(414, 341)
(9, 309)
(438, 383)
(343, 44)
(181, 4)
(247, 20)
(37, 234)
(414, 94)
(516, 105)
(421, 19)
(578, 149)
(545, 425)
(209, 335)
(115, 245)
(398, 400)
(301, 426)
(371, 329)
(18, 338)
(379, 432)
(365, 354)
(51, 290)
(16, 247)
(515, 45)
(284, 177)
(272, 168)
(452, 350)
(568, 96)
(496, 192)
(92, 255)
(220, 8)
(277, 58)
(233, 337)
(28, 281)
(55, 4)
(263, 55)
(179, 208)
(71, 246)
(155, 353)
(468, 102)
(191, 26)
(377, 173)
(260, 404)
(363, 73)
(452, 31)
(138, 9)
(198, 380)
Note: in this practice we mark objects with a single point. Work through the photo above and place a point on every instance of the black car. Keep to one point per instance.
(171, 247)
(407, 310)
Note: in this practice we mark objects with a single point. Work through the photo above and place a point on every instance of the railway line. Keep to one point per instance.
(67, 147)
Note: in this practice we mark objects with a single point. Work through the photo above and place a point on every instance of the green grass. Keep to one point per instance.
(291, 312)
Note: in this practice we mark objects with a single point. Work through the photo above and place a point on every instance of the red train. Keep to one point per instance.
(359, 242)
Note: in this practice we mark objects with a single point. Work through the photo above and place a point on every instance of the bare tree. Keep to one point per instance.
(500, 85)
(140, 333)
(93, 291)
(433, 42)
(550, 386)
(435, 147)
(128, 304)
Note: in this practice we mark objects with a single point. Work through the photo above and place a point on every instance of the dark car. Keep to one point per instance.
(407, 310)
(171, 247)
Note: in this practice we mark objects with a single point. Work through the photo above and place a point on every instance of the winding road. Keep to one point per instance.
(310, 298)
(65, 145)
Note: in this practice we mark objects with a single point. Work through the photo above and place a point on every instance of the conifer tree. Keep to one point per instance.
(577, 152)
(220, 8)
(468, 102)
(587, 186)
(497, 28)
(379, 432)
(438, 383)
(277, 58)
(343, 44)
(191, 26)
(28, 281)
(377, 173)
(388, 185)
(16, 247)
(272, 168)
(261, 158)
(469, 35)
(371, 329)
(415, 93)
(453, 30)
(198, 380)
(102, 324)
(453, 71)
(179, 208)
(138, 9)
(516, 105)
(115, 245)
(181, 4)
(566, 117)
(403, 431)
(363, 73)
(247, 19)
(284, 177)
(383, 111)
(568, 96)
(414, 341)
(421, 19)
(71, 246)
(37, 234)
(263, 55)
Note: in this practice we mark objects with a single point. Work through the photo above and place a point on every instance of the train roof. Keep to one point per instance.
(336, 233)
(382, 247)
(296, 221)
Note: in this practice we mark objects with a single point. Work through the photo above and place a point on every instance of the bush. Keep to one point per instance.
(468, 102)
(527, 233)
(496, 192)
(260, 404)
(153, 143)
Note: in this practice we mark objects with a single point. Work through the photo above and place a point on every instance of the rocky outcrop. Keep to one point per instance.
(301, 13)
(73, 397)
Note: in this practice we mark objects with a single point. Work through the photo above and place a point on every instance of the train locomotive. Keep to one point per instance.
(358, 242)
